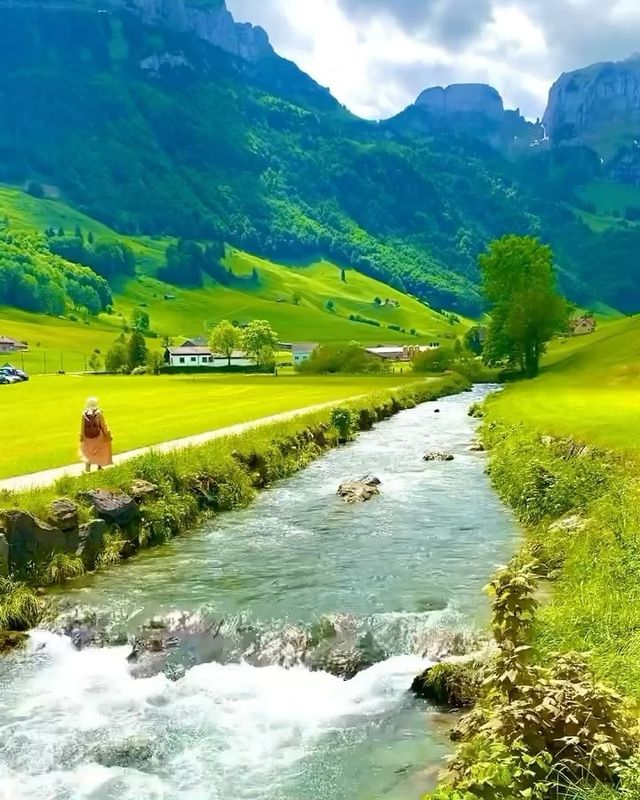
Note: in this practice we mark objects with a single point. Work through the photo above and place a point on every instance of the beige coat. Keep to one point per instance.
(96, 452)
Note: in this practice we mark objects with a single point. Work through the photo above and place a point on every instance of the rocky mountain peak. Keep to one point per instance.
(209, 20)
(463, 98)
(594, 102)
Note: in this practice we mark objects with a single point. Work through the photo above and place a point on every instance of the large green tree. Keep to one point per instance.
(526, 310)
(260, 342)
(137, 353)
(224, 339)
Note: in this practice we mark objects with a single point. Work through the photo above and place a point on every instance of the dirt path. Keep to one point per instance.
(47, 477)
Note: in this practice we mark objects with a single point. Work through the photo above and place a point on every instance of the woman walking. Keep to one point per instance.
(95, 437)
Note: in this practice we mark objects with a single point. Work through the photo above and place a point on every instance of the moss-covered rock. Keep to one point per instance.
(455, 684)
(11, 640)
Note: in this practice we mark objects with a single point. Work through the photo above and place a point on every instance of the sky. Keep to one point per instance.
(376, 56)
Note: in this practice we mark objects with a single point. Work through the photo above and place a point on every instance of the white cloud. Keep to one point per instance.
(377, 55)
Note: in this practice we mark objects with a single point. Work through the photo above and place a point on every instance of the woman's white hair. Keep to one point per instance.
(92, 402)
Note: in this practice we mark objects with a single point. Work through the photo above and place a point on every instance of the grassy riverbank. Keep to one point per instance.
(565, 454)
(44, 413)
(186, 485)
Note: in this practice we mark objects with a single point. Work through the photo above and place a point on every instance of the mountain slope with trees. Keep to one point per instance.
(153, 130)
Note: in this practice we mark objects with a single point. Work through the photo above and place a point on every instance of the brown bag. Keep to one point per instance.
(91, 427)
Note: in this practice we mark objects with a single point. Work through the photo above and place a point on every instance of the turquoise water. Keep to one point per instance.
(411, 564)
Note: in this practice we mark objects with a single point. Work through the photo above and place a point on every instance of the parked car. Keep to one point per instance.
(9, 376)
(9, 369)
(4, 379)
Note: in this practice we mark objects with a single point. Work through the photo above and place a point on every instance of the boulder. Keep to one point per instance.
(286, 648)
(438, 456)
(476, 447)
(345, 657)
(12, 640)
(142, 491)
(63, 514)
(174, 644)
(85, 629)
(571, 524)
(359, 491)
(91, 541)
(115, 508)
(454, 684)
(32, 541)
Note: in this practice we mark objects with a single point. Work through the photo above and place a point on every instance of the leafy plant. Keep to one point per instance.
(62, 568)
(111, 551)
(345, 421)
(537, 727)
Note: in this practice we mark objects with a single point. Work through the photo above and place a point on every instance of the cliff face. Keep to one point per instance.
(211, 22)
(593, 101)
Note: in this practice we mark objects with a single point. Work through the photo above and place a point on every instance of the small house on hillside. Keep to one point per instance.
(583, 326)
(8, 345)
(302, 351)
(190, 354)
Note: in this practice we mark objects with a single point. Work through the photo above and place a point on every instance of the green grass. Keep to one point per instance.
(589, 389)
(43, 416)
(609, 197)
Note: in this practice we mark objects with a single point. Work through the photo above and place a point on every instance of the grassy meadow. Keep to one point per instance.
(589, 389)
(41, 419)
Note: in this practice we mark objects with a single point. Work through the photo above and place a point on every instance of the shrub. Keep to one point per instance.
(345, 422)
(348, 359)
(433, 361)
(536, 727)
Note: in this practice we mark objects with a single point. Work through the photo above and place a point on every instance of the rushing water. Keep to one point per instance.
(76, 725)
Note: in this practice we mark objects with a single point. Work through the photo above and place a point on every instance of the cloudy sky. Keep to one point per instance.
(377, 55)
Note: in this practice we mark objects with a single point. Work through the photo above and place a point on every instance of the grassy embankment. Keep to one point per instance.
(42, 417)
(190, 483)
(588, 394)
(293, 298)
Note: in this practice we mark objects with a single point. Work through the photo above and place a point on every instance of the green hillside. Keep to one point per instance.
(313, 302)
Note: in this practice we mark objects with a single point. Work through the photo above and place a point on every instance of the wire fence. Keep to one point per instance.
(47, 362)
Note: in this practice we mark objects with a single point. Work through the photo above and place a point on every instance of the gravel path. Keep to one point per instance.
(47, 477)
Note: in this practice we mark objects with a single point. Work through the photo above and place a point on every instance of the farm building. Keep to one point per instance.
(400, 353)
(583, 325)
(8, 345)
(302, 351)
(193, 355)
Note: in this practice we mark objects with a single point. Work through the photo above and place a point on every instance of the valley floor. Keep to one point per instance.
(41, 418)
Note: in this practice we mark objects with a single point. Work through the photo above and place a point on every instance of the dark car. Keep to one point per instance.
(4, 379)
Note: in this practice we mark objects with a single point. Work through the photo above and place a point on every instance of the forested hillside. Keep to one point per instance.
(154, 131)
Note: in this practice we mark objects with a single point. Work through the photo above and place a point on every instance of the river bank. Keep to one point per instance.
(52, 534)
(405, 568)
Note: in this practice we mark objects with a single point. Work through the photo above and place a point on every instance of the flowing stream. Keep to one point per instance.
(409, 565)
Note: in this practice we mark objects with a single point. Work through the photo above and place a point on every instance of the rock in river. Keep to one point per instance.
(359, 491)
(438, 456)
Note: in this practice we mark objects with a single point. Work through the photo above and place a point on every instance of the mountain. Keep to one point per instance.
(167, 118)
(473, 109)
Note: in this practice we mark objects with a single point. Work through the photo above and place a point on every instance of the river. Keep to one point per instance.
(410, 563)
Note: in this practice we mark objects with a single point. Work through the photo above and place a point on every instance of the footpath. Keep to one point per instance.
(37, 480)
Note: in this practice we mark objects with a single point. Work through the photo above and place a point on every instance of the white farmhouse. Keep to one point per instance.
(302, 351)
(191, 354)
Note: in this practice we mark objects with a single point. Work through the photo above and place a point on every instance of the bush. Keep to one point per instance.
(345, 421)
(433, 361)
(348, 359)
